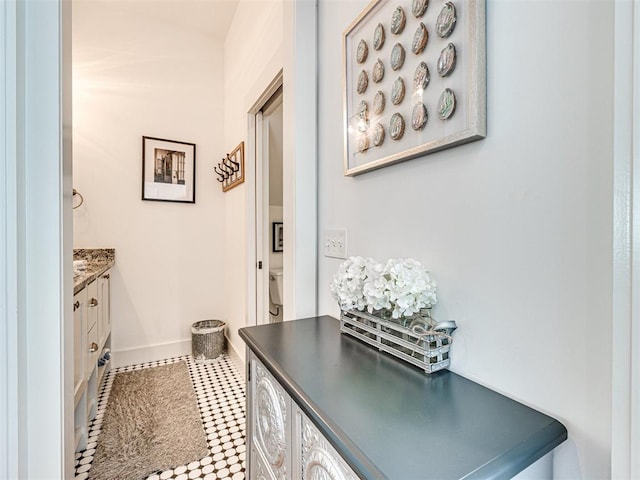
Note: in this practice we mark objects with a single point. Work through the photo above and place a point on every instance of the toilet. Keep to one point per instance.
(275, 286)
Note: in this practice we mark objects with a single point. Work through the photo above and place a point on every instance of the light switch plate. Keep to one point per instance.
(335, 243)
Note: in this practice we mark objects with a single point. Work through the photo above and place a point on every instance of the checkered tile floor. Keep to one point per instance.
(221, 399)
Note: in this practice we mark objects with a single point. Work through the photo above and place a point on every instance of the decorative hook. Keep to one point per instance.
(223, 175)
(235, 166)
(226, 168)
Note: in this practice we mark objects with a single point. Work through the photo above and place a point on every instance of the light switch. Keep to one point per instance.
(335, 243)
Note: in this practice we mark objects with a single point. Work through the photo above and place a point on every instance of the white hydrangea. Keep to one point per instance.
(410, 287)
(348, 282)
(403, 286)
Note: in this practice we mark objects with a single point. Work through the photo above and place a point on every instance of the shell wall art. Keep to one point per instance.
(419, 67)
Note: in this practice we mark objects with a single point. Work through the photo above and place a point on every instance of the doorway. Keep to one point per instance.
(269, 210)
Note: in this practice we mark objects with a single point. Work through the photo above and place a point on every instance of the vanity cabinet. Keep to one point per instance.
(92, 334)
(283, 442)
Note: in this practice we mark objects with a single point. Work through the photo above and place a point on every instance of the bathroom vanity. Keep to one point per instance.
(324, 405)
(92, 335)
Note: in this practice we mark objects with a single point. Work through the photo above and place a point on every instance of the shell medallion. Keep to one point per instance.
(364, 110)
(378, 37)
(378, 103)
(420, 39)
(446, 104)
(398, 21)
(378, 135)
(447, 60)
(362, 52)
(378, 71)
(418, 7)
(363, 143)
(396, 126)
(422, 77)
(363, 82)
(397, 56)
(446, 21)
(397, 91)
(419, 116)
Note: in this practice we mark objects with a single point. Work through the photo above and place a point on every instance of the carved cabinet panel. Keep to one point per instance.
(270, 421)
(320, 461)
(284, 443)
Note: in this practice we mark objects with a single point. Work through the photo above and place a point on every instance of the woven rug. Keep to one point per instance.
(151, 423)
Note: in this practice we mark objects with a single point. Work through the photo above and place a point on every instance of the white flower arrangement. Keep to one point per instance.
(402, 286)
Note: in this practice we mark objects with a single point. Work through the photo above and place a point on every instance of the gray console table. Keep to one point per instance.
(324, 405)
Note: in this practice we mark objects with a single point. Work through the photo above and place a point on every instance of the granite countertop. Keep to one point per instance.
(389, 419)
(99, 260)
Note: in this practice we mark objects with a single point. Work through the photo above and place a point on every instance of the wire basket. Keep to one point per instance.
(416, 340)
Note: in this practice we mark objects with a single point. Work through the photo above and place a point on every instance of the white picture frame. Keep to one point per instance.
(467, 80)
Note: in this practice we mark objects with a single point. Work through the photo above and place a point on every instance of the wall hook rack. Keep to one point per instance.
(230, 171)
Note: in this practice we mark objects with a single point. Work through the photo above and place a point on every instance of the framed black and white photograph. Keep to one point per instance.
(168, 170)
(277, 239)
(414, 79)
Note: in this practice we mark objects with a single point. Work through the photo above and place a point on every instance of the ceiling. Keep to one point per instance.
(210, 17)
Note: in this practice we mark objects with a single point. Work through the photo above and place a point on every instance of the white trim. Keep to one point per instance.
(237, 360)
(300, 206)
(625, 387)
(9, 401)
(150, 353)
(39, 237)
(634, 332)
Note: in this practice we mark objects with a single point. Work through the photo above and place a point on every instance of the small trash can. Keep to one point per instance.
(207, 340)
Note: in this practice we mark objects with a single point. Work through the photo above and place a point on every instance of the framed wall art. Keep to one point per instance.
(277, 237)
(414, 79)
(168, 170)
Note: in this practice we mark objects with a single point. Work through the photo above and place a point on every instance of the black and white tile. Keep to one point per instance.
(221, 398)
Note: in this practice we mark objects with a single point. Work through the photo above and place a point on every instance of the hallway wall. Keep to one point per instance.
(137, 72)
(253, 57)
(515, 228)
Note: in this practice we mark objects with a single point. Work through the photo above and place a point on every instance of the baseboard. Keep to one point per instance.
(133, 356)
(237, 360)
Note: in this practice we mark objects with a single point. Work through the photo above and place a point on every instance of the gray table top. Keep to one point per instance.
(389, 419)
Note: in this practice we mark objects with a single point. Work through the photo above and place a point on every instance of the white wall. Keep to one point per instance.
(253, 58)
(138, 72)
(516, 228)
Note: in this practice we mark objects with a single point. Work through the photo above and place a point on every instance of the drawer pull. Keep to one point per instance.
(93, 348)
(107, 276)
(93, 302)
(76, 305)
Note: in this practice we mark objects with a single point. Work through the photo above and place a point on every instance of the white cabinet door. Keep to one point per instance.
(320, 461)
(92, 330)
(271, 424)
(79, 335)
(104, 310)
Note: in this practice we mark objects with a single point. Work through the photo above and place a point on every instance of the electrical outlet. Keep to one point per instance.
(335, 243)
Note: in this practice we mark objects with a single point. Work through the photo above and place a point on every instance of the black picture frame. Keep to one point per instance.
(277, 238)
(168, 170)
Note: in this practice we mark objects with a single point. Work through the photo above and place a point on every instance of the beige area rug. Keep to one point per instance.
(151, 423)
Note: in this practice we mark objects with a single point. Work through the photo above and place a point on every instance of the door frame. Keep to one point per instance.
(256, 277)
(36, 242)
(625, 374)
